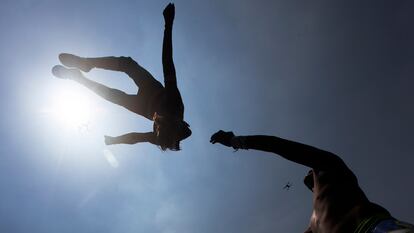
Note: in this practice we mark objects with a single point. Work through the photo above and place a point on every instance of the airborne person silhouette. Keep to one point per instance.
(339, 204)
(161, 104)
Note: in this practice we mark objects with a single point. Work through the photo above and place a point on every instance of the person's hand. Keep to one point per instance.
(169, 13)
(222, 138)
(109, 140)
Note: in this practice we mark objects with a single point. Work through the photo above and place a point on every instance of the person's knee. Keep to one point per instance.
(128, 64)
(128, 61)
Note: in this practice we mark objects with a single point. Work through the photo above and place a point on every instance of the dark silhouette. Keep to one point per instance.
(339, 204)
(161, 104)
(287, 186)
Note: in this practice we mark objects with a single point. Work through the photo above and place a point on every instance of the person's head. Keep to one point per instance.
(170, 131)
(308, 180)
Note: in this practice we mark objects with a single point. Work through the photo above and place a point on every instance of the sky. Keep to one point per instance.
(333, 74)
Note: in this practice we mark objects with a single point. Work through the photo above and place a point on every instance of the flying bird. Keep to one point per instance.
(287, 186)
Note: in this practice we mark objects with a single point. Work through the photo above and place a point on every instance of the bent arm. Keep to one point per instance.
(290, 150)
(131, 138)
(167, 51)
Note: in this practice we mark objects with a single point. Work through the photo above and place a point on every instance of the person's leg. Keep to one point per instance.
(124, 64)
(112, 95)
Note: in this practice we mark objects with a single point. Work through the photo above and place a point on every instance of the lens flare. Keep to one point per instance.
(110, 158)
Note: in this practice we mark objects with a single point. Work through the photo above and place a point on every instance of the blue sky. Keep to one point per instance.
(333, 74)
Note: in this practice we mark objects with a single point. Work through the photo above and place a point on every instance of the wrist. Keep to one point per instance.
(238, 142)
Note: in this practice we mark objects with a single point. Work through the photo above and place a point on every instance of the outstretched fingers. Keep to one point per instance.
(222, 137)
(169, 13)
(109, 140)
(215, 137)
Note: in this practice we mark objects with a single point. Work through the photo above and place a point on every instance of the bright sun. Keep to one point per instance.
(71, 108)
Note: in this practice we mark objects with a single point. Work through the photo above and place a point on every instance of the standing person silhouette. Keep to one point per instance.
(161, 104)
(339, 204)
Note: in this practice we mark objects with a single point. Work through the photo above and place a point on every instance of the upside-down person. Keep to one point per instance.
(158, 103)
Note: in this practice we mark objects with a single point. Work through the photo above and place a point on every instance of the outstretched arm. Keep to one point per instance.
(167, 50)
(131, 138)
(293, 151)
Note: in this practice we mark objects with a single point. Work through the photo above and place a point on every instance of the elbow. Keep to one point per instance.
(331, 161)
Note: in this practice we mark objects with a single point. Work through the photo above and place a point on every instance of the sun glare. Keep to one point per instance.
(71, 108)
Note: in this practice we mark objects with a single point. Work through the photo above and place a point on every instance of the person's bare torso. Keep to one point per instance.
(338, 202)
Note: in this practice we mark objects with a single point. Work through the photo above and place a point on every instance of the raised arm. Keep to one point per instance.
(167, 50)
(293, 151)
(131, 138)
